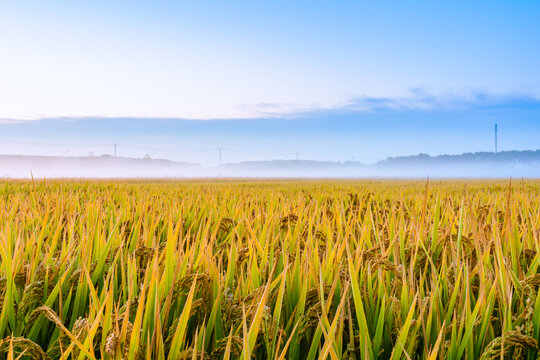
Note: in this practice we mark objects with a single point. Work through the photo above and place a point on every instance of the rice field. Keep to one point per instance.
(269, 270)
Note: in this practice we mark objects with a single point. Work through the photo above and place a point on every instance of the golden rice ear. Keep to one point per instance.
(48, 313)
(112, 344)
(32, 296)
(510, 342)
(21, 346)
(533, 280)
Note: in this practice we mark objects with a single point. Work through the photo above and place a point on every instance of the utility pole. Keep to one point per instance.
(219, 156)
(114, 150)
(495, 138)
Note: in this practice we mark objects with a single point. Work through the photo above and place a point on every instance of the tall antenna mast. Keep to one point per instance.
(495, 138)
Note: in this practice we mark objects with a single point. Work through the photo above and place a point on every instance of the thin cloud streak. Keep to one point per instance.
(417, 99)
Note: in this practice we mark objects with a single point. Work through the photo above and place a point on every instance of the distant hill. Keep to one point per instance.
(92, 166)
(481, 164)
(505, 157)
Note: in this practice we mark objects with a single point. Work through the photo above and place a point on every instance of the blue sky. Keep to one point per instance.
(315, 75)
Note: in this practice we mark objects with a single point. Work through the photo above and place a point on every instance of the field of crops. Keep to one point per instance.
(286, 270)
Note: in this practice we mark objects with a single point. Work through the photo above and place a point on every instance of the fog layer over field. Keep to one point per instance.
(482, 165)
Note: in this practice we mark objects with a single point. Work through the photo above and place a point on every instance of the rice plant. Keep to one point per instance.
(269, 270)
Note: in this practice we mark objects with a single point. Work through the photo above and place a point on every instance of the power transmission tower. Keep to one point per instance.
(219, 156)
(495, 138)
(296, 156)
(114, 150)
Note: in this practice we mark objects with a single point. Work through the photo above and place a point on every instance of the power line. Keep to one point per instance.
(178, 150)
